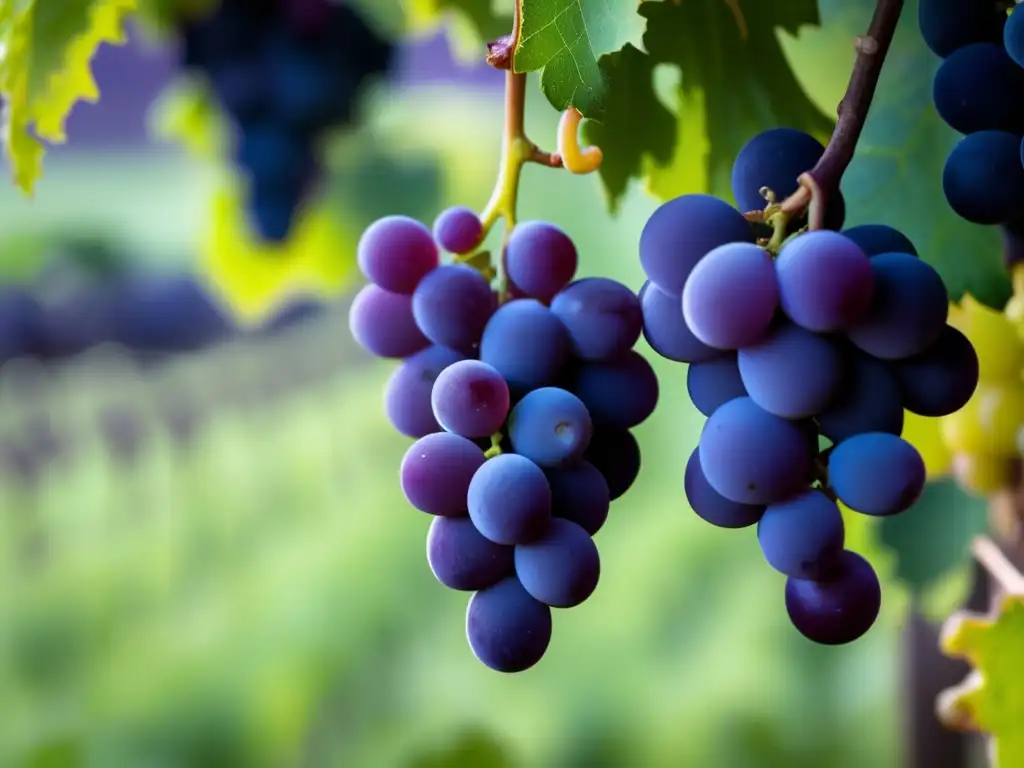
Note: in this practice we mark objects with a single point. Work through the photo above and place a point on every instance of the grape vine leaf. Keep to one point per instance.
(991, 698)
(896, 175)
(46, 50)
(563, 40)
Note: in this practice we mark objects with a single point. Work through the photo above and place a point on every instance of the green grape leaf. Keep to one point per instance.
(46, 50)
(896, 175)
(564, 38)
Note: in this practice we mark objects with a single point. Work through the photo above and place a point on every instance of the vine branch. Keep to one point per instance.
(818, 183)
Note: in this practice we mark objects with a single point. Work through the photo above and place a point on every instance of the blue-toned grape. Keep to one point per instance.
(876, 473)
(396, 252)
(980, 88)
(462, 559)
(940, 380)
(603, 317)
(731, 296)
(471, 399)
(510, 500)
(754, 457)
(541, 259)
(839, 608)
(681, 232)
(622, 393)
(712, 383)
(407, 392)
(874, 239)
(527, 344)
(802, 536)
(870, 400)
(458, 229)
(560, 569)
(666, 330)
(579, 493)
(550, 426)
(507, 629)
(436, 473)
(983, 178)
(1013, 36)
(382, 323)
(949, 25)
(712, 506)
(452, 305)
(908, 311)
(616, 455)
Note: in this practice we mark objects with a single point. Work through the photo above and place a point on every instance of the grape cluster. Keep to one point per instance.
(803, 363)
(521, 411)
(285, 71)
(979, 92)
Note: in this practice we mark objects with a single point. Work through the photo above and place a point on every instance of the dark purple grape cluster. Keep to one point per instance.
(285, 72)
(521, 412)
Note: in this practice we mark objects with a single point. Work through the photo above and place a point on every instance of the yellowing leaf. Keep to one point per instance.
(47, 50)
(991, 699)
(186, 113)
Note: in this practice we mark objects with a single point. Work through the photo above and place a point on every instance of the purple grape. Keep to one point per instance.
(983, 179)
(396, 252)
(462, 559)
(471, 399)
(452, 305)
(980, 88)
(510, 500)
(825, 281)
(458, 230)
(681, 232)
(526, 344)
(603, 317)
(731, 296)
(868, 401)
(579, 493)
(712, 506)
(753, 457)
(507, 629)
(616, 455)
(838, 609)
(876, 473)
(622, 393)
(714, 382)
(550, 426)
(560, 569)
(1013, 36)
(540, 259)
(436, 472)
(407, 392)
(940, 380)
(802, 536)
(382, 323)
(874, 239)
(666, 330)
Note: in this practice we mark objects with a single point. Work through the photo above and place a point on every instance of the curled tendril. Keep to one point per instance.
(576, 159)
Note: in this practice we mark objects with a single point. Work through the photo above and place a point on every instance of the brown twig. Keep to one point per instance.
(998, 565)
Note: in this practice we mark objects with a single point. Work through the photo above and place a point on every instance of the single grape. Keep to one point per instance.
(731, 296)
(462, 559)
(396, 252)
(909, 309)
(753, 457)
(869, 400)
(526, 343)
(560, 569)
(681, 232)
(622, 393)
(603, 317)
(949, 25)
(507, 629)
(382, 323)
(712, 506)
(470, 398)
(825, 281)
(940, 380)
(407, 392)
(838, 609)
(1013, 36)
(436, 472)
(874, 239)
(579, 493)
(876, 473)
(510, 500)
(803, 536)
(712, 383)
(541, 259)
(458, 229)
(980, 88)
(550, 426)
(988, 423)
(616, 454)
(666, 330)
(983, 178)
(452, 305)
(792, 372)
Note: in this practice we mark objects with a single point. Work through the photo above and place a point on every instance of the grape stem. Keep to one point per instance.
(998, 565)
(824, 178)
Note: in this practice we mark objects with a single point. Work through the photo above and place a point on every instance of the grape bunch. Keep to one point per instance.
(979, 91)
(285, 72)
(521, 411)
(803, 362)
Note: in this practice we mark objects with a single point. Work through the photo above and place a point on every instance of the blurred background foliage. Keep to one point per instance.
(206, 557)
